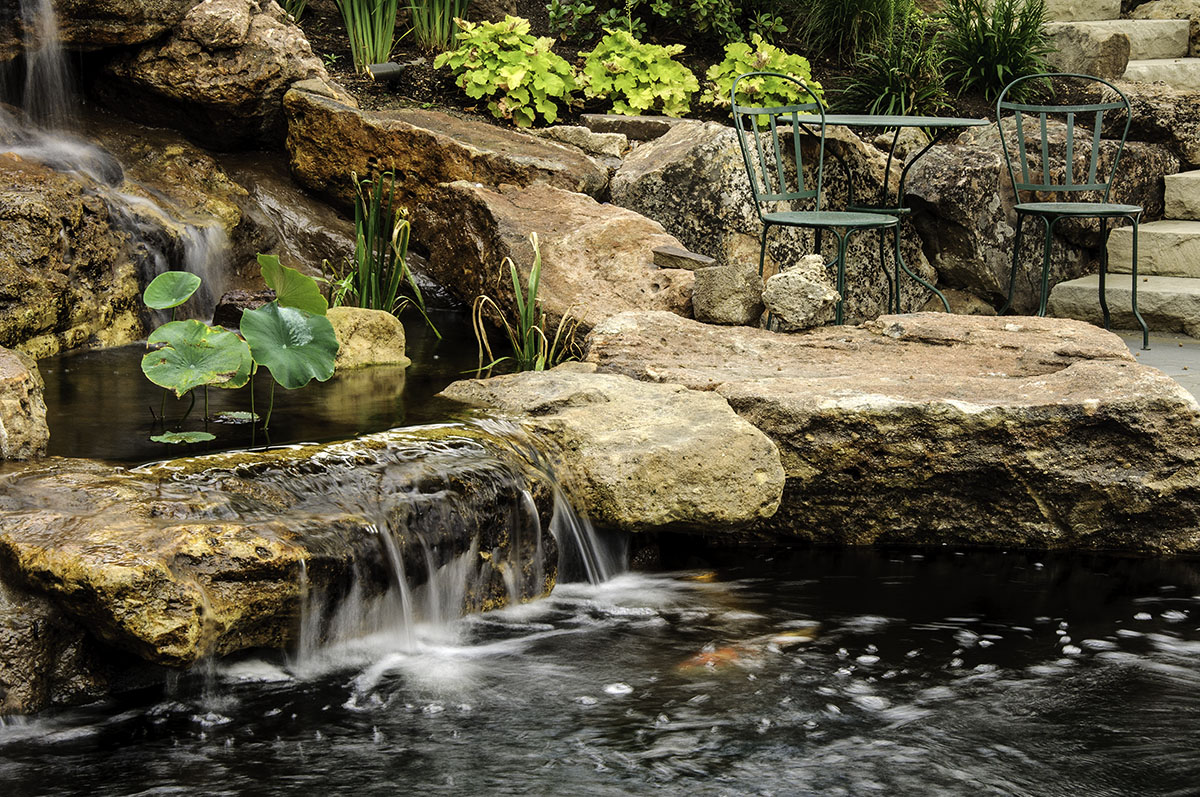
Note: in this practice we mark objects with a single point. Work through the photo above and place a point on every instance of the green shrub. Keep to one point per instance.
(371, 25)
(760, 56)
(516, 71)
(989, 43)
(902, 76)
(434, 22)
(638, 77)
(842, 28)
(567, 16)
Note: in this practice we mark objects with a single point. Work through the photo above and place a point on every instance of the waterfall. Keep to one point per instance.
(45, 131)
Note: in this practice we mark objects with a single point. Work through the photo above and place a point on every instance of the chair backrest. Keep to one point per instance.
(774, 164)
(1036, 165)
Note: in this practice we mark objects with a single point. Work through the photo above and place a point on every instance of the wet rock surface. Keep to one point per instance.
(176, 561)
(642, 457)
(23, 430)
(940, 429)
(96, 24)
(329, 140)
(597, 259)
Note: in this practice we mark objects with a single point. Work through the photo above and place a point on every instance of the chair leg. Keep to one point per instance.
(1045, 292)
(1104, 271)
(1012, 275)
(762, 249)
(1141, 321)
(900, 264)
(893, 304)
(842, 237)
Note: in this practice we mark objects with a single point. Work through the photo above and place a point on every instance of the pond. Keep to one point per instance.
(100, 405)
(813, 672)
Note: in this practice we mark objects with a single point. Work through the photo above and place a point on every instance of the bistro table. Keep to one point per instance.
(942, 127)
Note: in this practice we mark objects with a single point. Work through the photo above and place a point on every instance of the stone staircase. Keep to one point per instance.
(1168, 250)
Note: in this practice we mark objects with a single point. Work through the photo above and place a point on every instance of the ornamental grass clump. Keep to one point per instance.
(760, 56)
(990, 43)
(522, 80)
(433, 22)
(903, 75)
(636, 77)
(371, 25)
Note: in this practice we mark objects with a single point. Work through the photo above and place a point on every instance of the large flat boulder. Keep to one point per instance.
(693, 181)
(220, 76)
(963, 207)
(1174, 9)
(330, 140)
(936, 429)
(207, 556)
(639, 456)
(1166, 115)
(597, 259)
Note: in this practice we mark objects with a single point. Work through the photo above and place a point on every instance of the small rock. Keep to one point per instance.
(729, 294)
(677, 257)
(609, 145)
(801, 297)
(367, 337)
(635, 128)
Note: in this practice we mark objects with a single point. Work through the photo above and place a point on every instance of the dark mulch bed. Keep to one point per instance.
(425, 87)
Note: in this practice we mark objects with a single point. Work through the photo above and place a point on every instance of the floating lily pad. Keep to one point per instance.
(292, 289)
(194, 354)
(295, 346)
(183, 437)
(170, 289)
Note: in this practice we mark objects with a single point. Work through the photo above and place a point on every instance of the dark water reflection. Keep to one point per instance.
(100, 405)
(937, 673)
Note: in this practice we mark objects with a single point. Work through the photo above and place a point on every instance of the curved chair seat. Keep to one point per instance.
(1091, 209)
(830, 218)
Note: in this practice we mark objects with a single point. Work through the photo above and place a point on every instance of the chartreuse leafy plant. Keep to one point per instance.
(759, 56)
(533, 349)
(638, 78)
(516, 72)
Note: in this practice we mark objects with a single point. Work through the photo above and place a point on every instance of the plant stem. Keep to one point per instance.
(270, 406)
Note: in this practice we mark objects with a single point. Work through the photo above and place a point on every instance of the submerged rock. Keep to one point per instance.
(934, 428)
(187, 558)
(642, 457)
(597, 259)
(330, 140)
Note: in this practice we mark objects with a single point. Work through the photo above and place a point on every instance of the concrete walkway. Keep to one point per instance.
(1176, 355)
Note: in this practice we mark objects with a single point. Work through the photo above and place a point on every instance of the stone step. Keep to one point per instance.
(1169, 304)
(1183, 196)
(1167, 248)
(1148, 38)
(1179, 73)
(1081, 10)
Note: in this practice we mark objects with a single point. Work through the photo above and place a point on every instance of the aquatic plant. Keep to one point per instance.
(371, 25)
(290, 337)
(377, 277)
(532, 349)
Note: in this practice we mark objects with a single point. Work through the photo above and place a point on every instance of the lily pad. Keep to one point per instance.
(194, 354)
(292, 289)
(170, 289)
(183, 437)
(295, 346)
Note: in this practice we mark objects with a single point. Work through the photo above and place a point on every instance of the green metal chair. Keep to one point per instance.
(776, 171)
(1043, 171)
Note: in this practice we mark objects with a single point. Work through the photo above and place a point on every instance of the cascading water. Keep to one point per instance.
(43, 130)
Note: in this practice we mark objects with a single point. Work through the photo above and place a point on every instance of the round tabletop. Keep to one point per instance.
(888, 120)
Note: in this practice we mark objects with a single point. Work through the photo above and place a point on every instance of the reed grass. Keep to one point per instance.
(371, 26)
(433, 22)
